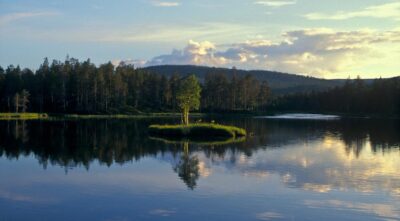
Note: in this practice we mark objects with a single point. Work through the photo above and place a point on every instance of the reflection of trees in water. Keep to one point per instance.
(79, 143)
(381, 134)
(188, 167)
(73, 143)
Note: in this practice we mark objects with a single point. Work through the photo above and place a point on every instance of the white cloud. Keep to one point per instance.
(275, 3)
(169, 33)
(389, 10)
(134, 62)
(151, 33)
(165, 4)
(318, 52)
(193, 53)
(8, 18)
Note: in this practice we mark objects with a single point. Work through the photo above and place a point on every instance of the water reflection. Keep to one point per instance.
(188, 167)
(360, 155)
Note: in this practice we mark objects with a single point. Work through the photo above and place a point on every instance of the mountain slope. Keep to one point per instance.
(280, 83)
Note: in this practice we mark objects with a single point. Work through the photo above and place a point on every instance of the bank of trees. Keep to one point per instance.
(234, 93)
(82, 87)
(382, 96)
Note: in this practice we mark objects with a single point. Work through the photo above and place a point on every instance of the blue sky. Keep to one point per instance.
(322, 38)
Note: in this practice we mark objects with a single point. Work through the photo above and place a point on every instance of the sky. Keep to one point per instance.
(319, 38)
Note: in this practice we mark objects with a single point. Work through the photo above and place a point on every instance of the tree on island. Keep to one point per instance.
(188, 96)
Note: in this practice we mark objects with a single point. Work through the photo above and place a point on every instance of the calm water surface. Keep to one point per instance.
(287, 170)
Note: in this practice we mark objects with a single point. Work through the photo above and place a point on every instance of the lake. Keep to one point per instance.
(339, 169)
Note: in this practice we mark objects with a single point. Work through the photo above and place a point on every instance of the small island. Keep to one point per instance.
(197, 130)
(188, 98)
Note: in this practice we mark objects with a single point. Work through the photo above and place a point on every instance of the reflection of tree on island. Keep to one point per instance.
(80, 143)
(188, 167)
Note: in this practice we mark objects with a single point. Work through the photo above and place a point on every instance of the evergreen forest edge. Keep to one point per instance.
(74, 87)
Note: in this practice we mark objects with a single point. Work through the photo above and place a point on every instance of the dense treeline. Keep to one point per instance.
(81, 87)
(382, 96)
(280, 83)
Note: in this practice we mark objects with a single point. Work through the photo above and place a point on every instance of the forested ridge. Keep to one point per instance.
(72, 86)
(280, 83)
(82, 87)
(381, 96)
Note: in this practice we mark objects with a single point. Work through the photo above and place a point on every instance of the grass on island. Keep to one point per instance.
(205, 130)
(22, 116)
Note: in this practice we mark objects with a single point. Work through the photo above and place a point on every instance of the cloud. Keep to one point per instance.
(134, 62)
(318, 52)
(193, 53)
(389, 11)
(8, 18)
(165, 4)
(275, 3)
(165, 33)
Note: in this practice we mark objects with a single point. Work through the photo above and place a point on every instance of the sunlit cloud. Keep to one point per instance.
(147, 34)
(275, 3)
(317, 52)
(165, 4)
(193, 53)
(389, 10)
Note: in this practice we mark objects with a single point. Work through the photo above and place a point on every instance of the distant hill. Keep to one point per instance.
(280, 83)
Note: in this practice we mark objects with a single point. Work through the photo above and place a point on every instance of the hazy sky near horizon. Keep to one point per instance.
(321, 38)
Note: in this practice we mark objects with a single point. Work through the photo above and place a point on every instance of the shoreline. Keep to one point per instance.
(50, 116)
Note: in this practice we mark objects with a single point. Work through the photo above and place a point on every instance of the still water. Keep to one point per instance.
(286, 170)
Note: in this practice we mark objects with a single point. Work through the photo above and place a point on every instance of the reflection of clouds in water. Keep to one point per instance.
(303, 117)
(384, 211)
(269, 216)
(317, 187)
(162, 212)
(321, 166)
(8, 195)
(204, 170)
(15, 197)
(257, 174)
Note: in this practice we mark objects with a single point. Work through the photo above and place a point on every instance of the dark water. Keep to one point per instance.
(287, 170)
